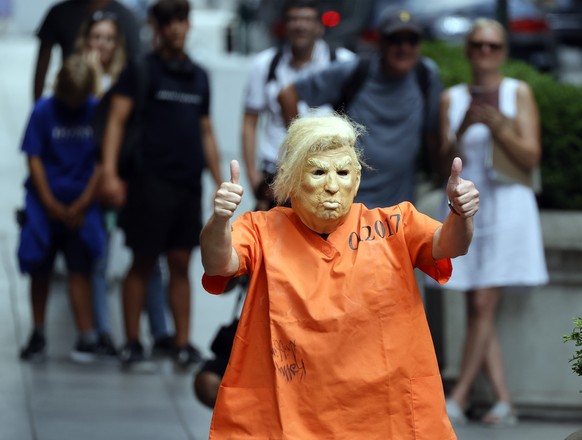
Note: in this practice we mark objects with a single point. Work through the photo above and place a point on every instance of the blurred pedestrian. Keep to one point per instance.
(394, 95)
(60, 214)
(5, 16)
(303, 51)
(61, 26)
(332, 341)
(494, 124)
(101, 42)
(163, 213)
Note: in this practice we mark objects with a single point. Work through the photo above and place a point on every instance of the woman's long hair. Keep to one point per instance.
(118, 58)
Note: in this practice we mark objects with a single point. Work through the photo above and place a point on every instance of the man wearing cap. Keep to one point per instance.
(397, 101)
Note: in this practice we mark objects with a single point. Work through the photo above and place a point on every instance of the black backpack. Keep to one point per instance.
(128, 161)
(356, 80)
(271, 76)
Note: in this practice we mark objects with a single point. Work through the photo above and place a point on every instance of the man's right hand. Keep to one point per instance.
(113, 190)
(229, 195)
(56, 210)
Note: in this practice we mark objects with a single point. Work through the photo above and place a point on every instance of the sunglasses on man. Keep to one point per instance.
(401, 39)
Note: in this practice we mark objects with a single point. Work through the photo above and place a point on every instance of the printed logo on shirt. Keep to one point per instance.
(381, 229)
(182, 98)
(81, 132)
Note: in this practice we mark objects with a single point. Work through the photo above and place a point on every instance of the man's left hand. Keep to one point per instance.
(463, 195)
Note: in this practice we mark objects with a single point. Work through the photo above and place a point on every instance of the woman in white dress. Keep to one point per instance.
(507, 248)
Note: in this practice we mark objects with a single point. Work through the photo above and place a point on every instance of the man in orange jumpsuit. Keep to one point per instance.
(333, 341)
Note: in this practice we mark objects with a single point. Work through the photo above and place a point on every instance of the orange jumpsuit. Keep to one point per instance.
(333, 341)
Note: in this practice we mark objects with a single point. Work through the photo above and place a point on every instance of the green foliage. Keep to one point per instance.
(576, 337)
(560, 107)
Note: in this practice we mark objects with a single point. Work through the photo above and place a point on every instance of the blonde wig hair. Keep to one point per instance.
(481, 23)
(75, 80)
(119, 57)
(309, 135)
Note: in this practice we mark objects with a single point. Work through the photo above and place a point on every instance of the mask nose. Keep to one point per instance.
(331, 184)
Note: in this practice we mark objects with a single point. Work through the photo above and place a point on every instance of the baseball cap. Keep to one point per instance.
(396, 20)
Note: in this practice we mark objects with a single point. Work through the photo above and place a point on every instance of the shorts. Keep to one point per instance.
(160, 216)
(78, 258)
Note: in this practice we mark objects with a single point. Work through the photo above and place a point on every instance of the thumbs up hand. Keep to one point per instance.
(229, 195)
(462, 194)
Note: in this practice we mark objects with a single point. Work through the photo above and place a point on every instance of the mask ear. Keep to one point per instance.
(357, 185)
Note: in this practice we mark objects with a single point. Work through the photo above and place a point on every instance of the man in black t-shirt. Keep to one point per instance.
(162, 212)
(61, 26)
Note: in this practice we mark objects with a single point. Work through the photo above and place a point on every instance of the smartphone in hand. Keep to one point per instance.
(482, 95)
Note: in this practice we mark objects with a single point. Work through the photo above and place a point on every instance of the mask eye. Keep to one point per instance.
(343, 172)
(318, 172)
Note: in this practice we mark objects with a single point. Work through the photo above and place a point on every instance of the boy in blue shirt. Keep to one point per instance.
(60, 213)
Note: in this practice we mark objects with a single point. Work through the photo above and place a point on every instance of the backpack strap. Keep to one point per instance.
(355, 81)
(423, 162)
(422, 77)
(353, 84)
(271, 76)
(332, 53)
(142, 67)
(129, 161)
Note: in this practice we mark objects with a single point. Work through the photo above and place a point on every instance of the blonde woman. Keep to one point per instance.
(493, 117)
(100, 40)
(102, 44)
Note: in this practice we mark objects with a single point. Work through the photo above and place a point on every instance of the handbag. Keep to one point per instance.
(506, 170)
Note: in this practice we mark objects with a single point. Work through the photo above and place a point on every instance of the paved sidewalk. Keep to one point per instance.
(60, 400)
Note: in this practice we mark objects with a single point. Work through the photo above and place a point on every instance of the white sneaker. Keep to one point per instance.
(455, 413)
(500, 415)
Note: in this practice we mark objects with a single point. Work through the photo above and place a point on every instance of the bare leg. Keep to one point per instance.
(39, 291)
(494, 365)
(80, 297)
(496, 374)
(481, 309)
(179, 293)
(134, 292)
(34, 349)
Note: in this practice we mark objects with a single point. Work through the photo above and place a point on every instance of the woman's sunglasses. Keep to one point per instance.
(483, 44)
